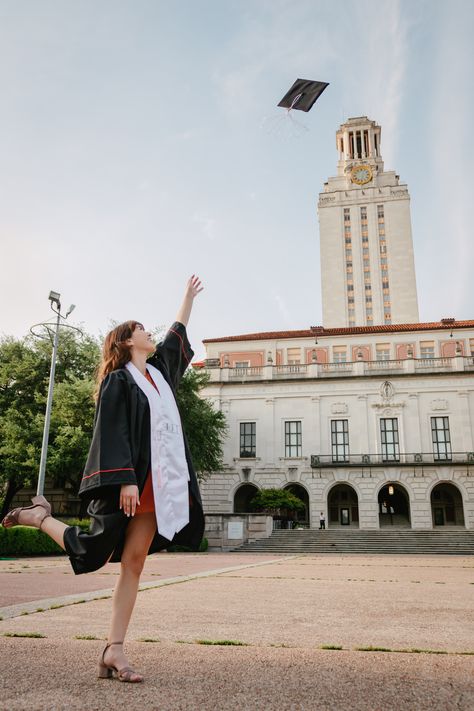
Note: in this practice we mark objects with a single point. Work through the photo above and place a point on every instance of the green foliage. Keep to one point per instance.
(203, 546)
(205, 427)
(26, 540)
(24, 377)
(276, 501)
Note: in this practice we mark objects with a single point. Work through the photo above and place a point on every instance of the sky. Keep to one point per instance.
(140, 143)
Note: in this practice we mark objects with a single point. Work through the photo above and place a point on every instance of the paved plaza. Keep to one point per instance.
(307, 632)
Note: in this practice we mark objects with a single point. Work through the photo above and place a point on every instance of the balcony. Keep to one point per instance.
(405, 459)
(359, 368)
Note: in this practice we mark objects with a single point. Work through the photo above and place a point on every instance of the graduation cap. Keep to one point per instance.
(303, 94)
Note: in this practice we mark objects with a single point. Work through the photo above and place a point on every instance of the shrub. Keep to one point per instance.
(203, 546)
(25, 540)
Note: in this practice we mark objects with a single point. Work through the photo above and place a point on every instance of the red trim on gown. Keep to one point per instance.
(147, 501)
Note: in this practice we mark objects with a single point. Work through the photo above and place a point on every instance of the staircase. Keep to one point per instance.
(394, 541)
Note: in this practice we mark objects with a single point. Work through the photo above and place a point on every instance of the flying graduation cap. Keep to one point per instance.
(303, 94)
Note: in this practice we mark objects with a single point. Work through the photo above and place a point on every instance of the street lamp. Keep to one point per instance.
(52, 330)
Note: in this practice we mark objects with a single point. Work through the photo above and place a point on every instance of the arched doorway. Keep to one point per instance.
(343, 506)
(394, 506)
(446, 505)
(242, 498)
(302, 517)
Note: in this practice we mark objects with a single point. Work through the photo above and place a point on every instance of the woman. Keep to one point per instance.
(139, 479)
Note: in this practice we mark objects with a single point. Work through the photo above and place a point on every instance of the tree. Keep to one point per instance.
(24, 376)
(276, 502)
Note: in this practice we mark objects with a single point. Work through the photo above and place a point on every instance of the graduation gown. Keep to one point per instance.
(120, 453)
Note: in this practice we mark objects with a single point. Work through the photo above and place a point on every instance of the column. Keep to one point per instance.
(345, 141)
(269, 433)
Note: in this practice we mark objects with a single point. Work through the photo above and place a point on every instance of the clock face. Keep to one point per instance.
(361, 174)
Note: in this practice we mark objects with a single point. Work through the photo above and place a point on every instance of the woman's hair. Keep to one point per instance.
(115, 351)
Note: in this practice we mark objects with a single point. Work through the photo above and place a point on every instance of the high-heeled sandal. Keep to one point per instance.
(12, 517)
(124, 674)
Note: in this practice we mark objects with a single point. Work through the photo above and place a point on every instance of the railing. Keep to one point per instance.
(416, 459)
(250, 373)
(293, 369)
(384, 364)
(433, 363)
(340, 369)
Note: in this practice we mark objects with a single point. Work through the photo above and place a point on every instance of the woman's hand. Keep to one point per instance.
(129, 498)
(193, 288)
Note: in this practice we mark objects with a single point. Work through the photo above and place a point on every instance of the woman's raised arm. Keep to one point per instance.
(193, 288)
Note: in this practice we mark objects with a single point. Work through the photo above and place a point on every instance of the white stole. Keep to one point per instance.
(169, 468)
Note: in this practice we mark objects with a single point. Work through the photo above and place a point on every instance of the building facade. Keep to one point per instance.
(368, 418)
(368, 270)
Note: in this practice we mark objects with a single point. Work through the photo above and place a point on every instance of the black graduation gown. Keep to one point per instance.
(120, 454)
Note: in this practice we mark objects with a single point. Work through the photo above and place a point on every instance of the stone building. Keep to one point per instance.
(369, 417)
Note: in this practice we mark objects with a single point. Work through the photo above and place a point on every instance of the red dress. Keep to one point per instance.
(147, 501)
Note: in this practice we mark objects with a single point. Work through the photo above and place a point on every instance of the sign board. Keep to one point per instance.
(235, 529)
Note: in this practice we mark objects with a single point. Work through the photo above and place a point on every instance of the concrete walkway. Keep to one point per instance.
(283, 613)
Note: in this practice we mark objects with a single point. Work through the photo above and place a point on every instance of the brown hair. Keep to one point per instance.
(115, 351)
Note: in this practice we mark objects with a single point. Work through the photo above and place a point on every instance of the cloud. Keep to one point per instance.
(206, 224)
(283, 308)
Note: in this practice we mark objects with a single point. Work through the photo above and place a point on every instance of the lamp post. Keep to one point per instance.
(52, 329)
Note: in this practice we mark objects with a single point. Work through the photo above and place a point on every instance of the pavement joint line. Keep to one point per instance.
(28, 608)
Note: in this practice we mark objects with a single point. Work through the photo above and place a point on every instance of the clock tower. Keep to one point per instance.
(367, 263)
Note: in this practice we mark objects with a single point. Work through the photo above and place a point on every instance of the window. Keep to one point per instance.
(248, 439)
(340, 440)
(441, 438)
(293, 439)
(294, 356)
(339, 354)
(241, 364)
(382, 352)
(347, 215)
(389, 439)
(379, 210)
(427, 349)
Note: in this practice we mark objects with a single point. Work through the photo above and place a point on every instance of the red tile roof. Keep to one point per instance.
(319, 331)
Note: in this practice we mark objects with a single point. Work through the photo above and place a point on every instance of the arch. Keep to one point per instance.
(447, 507)
(301, 492)
(394, 505)
(343, 505)
(242, 496)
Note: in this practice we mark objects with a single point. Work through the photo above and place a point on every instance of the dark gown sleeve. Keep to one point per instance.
(110, 461)
(175, 352)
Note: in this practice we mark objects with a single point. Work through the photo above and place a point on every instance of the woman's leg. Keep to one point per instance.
(138, 538)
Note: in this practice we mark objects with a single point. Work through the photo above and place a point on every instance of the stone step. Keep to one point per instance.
(365, 542)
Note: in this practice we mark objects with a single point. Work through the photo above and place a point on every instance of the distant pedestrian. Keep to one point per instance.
(322, 521)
